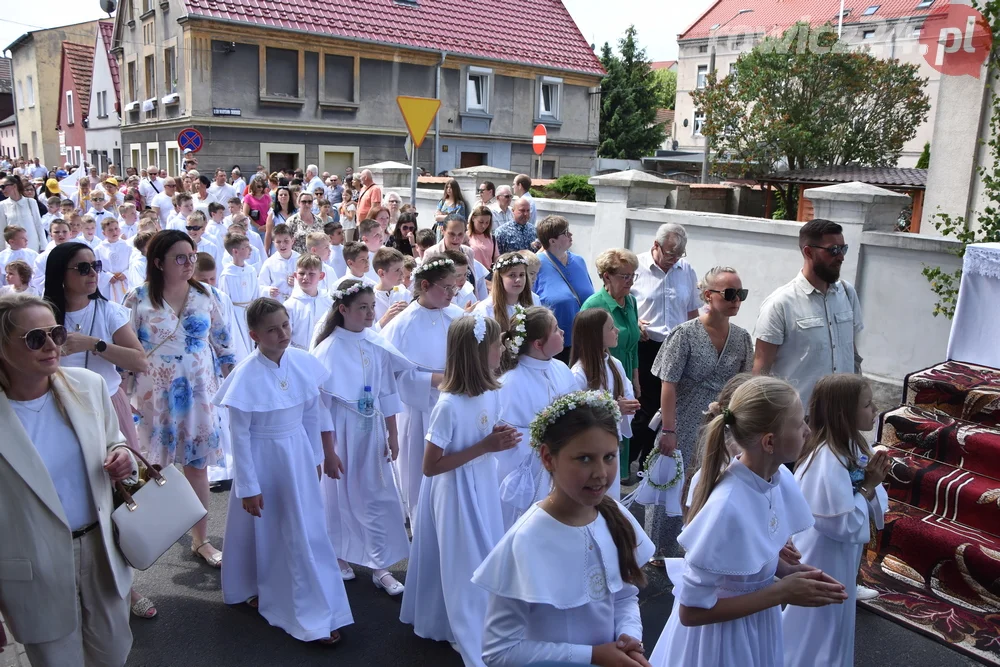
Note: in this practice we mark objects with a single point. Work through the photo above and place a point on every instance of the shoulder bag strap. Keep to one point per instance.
(555, 263)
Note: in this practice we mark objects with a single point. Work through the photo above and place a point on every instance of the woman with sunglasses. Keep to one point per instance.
(185, 338)
(65, 583)
(403, 236)
(303, 222)
(281, 212)
(698, 358)
(99, 338)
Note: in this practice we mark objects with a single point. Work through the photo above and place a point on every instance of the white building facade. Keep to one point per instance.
(104, 137)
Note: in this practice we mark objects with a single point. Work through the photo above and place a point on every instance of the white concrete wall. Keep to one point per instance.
(901, 335)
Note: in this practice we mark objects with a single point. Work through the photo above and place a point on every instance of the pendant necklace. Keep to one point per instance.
(282, 382)
(772, 521)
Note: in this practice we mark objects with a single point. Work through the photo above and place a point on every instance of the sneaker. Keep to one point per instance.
(865, 593)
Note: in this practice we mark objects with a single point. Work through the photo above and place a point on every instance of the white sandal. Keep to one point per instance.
(215, 560)
(393, 588)
(347, 573)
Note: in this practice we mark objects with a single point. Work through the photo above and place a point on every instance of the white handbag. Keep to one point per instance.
(154, 517)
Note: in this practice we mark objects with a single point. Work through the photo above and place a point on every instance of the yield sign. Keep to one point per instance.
(418, 113)
(539, 139)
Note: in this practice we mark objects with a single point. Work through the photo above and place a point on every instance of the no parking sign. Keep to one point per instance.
(190, 140)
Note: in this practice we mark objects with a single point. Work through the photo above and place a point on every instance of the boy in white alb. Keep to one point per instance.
(195, 228)
(278, 270)
(53, 204)
(358, 266)
(234, 208)
(59, 231)
(391, 298)
(89, 233)
(128, 221)
(115, 255)
(307, 304)
(256, 257)
(137, 262)
(335, 232)
(239, 282)
(98, 212)
(216, 229)
(318, 244)
(373, 238)
(17, 248)
(279, 557)
(183, 207)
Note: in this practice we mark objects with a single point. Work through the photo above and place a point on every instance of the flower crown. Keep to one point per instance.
(341, 294)
(427, 266)
(515, 260)
(517, 331)
(565, 404)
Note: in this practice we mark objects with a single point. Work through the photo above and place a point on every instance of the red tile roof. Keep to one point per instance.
(531, 32)
(665, 117)
(774, 16)
(5, 69)
(107, 31)
(79, 59)
(662, 64)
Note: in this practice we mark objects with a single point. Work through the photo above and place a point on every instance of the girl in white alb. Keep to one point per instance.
(278, 555)
(727, 606)
(564, 580)
(238, 280)
(420, 333)
(363, 514)
(510, 288)
(593, 367)
(535, 379)
(841, 478)
(458, 519)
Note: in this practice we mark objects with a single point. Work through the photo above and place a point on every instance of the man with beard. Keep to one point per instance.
(807, 328)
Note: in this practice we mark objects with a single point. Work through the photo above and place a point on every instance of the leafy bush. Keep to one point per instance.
(575, 186)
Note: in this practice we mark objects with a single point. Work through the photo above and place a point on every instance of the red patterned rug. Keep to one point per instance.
(961, 390)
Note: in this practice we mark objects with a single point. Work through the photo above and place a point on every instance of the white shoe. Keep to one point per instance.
(346, 573)
(388, 583)
(865, 593)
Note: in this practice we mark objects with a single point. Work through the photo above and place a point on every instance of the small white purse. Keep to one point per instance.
(154, 517)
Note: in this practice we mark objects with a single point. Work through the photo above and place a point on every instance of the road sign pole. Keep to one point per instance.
(413, 175)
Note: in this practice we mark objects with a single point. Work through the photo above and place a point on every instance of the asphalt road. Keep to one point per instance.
(195, 629)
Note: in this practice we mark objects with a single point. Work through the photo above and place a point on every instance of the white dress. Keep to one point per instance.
(239, 283)
(384, 299)
(835, 543)
(363, 515)
(526, 390)
(275, 272)
(298, 583)
(732, 548)
(569, 599)
(225, 468)
(7, 256)
(304, 313)
(458, 522)
(421, 335)
(136, 269)
(115, 259)
(625, 426)
(486, 306)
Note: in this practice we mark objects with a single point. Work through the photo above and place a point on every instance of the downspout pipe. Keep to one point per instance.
(437, 95)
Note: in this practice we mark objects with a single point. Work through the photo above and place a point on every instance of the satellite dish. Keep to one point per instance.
(109, 6)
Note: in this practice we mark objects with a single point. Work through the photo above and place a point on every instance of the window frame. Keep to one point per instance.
(871, 10)
(169, 70)
(554, 84)
(132, 80)
(281, 100)
(697, 124)
(924, 4)
(30, 81)
(70, 117)
(149, 76)
(868, 35)
(326, 102)
(487, 76)
(20, 95)
(701, 77)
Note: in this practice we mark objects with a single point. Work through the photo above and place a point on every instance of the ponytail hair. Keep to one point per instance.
(539, 323)
(557, 434)
(757, 407)
(344, 294)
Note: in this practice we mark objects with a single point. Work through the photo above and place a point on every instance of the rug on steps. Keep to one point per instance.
(962, 390)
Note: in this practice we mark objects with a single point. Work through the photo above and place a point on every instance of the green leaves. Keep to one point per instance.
(630, 96)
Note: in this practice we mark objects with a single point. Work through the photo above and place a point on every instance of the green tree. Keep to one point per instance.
(629, 100)
(667, 81)
(924, 161)
(986, 228)
(807, 100)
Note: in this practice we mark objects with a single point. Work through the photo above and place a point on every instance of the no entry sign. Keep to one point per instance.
(538, 141)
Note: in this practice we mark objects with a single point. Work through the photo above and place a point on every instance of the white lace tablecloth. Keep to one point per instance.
(975, 331)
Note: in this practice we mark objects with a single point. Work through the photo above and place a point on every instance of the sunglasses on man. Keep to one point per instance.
(835, 250)
(84, 268)
(732, 294)
(35, 339)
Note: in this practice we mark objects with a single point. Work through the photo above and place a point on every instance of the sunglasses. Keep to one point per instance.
(35, 339)
(732, 294)
(193, 228)
(191, 259)
(85, 268)
(835, 250)
(408, 228)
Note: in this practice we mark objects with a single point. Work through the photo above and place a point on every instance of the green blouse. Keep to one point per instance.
(626, 318)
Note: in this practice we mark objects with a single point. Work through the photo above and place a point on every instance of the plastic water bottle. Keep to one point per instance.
(366, 407)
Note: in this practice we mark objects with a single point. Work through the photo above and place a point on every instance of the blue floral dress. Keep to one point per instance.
(178, 422)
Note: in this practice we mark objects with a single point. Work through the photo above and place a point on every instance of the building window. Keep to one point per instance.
(339, 80)
(868, 35)
(549, 98)
(20, 95)
(917, 29)
(477, 89)
(703, 48)
(31, 91)
(152, 154)
(150, 73)
(170, 70)
(282, 73)
(147, 6)
(173, 160)
(702, 76)
(102, 104)
(924, 4)
(871, 10)
(699, 121)
(69, 107)
(136, 156)
(132, 88)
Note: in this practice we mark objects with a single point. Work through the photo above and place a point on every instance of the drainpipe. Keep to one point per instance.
(437, 95)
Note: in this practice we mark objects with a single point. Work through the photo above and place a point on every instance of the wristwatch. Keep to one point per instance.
(100, 346)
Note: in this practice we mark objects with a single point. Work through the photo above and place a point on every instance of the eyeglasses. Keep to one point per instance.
(504, 196)
(35, 339)
(485, 190)
(194, 228)
(835, 250)
(673, 255)
(627, 277)
(408, 228)
(84, 268)
(305, 201)
(191, 259)
(731, 293)
(448, 290)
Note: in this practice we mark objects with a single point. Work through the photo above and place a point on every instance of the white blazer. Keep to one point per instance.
(37, 571)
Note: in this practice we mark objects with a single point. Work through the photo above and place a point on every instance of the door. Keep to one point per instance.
(473, 160)
(118, 161)
(336, 163)
(279, 161)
